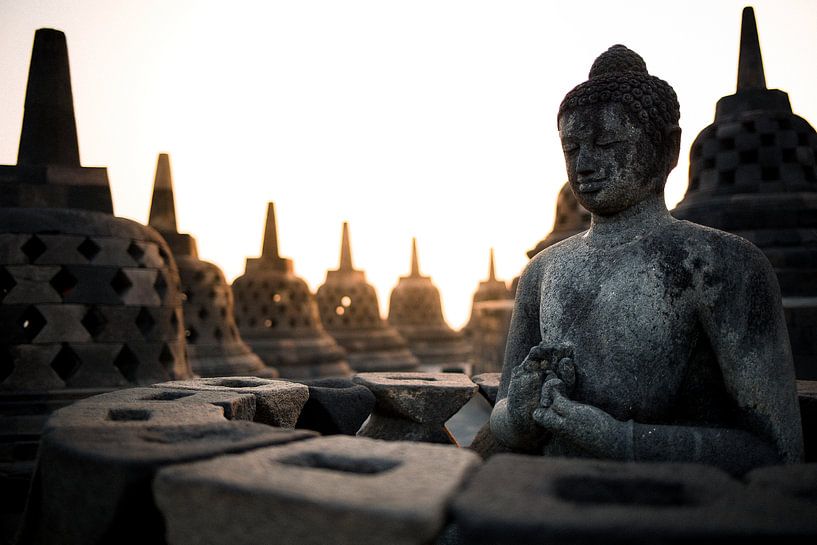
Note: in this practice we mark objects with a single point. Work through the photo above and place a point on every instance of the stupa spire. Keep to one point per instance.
(750, 65)
(491, 268)
(345, 251)
(163, 206)
(49, 135)
(415, 264)
(270, 248)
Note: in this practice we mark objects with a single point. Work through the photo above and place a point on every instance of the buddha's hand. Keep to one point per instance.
(586, 426)
(525, 386)
(560, 375)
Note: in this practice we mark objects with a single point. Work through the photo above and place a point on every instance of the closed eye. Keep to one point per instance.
(608, 143)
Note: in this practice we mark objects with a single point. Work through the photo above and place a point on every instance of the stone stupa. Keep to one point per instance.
(278, 316)
(571, 218)
(214, 345)
(487, 328)
(88, 302)
(415, 309)
(350, 312)
(753, 172)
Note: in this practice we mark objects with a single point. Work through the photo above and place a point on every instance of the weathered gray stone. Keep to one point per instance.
(92, 484)
(807, 394)
(796, 481)
(133, 414)
(643, 338)
(278, 403)
(335, 406)
(338, 489)
(515, 499)
(488, 385)
(414, 406)
(236, 406)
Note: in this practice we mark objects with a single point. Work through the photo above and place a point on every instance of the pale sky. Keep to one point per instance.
(433, 119)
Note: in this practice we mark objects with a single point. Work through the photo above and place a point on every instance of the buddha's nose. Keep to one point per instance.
(585, 164)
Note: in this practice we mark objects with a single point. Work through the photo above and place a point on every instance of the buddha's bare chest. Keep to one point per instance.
(631, 325)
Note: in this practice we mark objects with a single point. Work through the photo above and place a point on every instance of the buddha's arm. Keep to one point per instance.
(511, 427)
(743, 318)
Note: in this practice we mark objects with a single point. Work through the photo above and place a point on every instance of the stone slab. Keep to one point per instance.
(516, 499)
(335, 406)
(92, 484)
(236, 406)
(421, 397)
(488, 385)
(278, 403)
(338, 489)
(133, 414)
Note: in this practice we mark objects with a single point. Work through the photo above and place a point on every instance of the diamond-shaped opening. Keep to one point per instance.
(199, 276)
(748, 157)
(166, 357)
(174, 320)
(127, 363)
(135, 251)
(32, 322)
(203, 313)
(789, 155)
(769, 174)
(727, 144)
(727, 177)
(217, 333)
(784, 124)
(6, 363)
(160, 285)
(33, 248)
(89, 249)
(63, 282)
(66, 362)
(191, 334)
(748, 126)
(211, 294)
(767, 139)
(94, 321)
(7, 282)
(121, 283)
(145, 321)
(163, 255)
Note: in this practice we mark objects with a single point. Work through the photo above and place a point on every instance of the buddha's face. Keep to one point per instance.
(610, 160)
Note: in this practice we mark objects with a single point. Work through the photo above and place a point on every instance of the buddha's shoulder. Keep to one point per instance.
(691, 242)
(557, 252)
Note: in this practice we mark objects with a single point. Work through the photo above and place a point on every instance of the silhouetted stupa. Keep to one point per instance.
(487, 328)
(214, 345)
(88, 302)
(753, 173)
(571, 218)
(278, 316)
(350, 313)
(416, 311)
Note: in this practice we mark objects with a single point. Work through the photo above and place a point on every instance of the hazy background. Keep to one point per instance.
(433, 119)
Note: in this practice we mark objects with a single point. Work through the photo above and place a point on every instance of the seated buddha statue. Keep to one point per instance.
(644, 338)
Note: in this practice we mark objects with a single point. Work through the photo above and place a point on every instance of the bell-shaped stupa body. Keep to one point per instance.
(88, 302)
(278, 316)
(214, 345)
(416, 311)
(487, 328)
(571, 218)
(753, 172)
(350, 313)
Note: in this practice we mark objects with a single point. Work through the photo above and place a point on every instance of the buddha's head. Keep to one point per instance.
(619, 133)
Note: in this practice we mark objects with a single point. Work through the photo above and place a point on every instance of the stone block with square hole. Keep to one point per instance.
(340, 490)
(92, 483)
(277, 402)
(516, 499)
(236, 406)
(414, 406)
(335, 406)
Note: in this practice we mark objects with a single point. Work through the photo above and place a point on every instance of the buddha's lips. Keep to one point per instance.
(591, 186)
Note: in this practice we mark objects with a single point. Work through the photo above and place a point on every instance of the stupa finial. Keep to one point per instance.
(49, 135)
(163, 206)
(750, 64)
(491, 268)
(345, 251)
(270, 248)
(415, 264)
